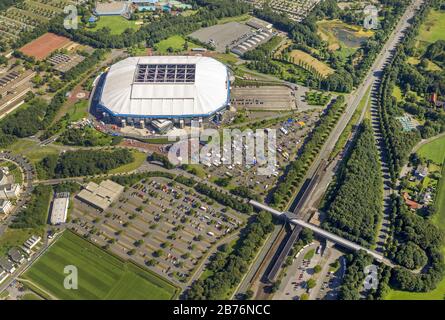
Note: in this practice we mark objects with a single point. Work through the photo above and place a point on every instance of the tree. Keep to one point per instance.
(311, 283)
(317, 268)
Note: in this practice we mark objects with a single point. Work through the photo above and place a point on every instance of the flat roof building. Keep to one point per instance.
(101, 195)
(59, 211)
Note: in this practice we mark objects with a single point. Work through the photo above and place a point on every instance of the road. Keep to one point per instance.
(384, 226)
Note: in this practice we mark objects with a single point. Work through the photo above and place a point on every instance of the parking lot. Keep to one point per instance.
(290, 137)
(323, 266)
(223, 35)
(166, 226)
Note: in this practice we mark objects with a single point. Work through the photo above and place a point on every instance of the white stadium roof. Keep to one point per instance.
(165, 87)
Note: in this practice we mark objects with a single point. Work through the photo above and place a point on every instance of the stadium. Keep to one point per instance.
(139, 90)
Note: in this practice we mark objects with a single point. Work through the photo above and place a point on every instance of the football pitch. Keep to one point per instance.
(100, 274)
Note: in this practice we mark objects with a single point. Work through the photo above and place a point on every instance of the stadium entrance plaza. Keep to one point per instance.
(161, 224)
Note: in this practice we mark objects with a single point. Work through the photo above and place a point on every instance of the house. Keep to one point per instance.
(16, 256)
(6, 265)
(421, 171)
(413, 205)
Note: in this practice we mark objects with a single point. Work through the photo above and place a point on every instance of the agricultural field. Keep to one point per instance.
(433, 29)
(116, 24)
(26, 16)
(101, 275)
(306, 61)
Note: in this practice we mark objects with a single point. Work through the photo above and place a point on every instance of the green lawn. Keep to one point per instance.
(435, 150)
(100, 274)
(31, 150)
(309, 254)
(78, 111)
(397, 93)
(139, 158)
(15, 238)
(117, 24)
(175, 43)
(433, 28)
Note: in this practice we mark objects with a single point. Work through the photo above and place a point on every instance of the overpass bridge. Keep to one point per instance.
(292, 218)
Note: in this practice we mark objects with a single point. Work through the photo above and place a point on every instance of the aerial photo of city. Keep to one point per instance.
(233, 150)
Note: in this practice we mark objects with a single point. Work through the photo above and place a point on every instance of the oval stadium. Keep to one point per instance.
(138, 90)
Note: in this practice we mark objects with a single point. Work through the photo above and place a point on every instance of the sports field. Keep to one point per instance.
(100, 274)
(43, 46)
(116, 24)
(305, 60)
(433, 28)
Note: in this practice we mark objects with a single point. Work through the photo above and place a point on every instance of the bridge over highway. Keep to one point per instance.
(292, 218)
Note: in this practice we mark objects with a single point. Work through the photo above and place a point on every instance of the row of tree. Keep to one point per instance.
(296, 169)
(228, 269)
(355, 204)
(81, 163)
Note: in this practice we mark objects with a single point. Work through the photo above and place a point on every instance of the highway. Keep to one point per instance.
(371, 79)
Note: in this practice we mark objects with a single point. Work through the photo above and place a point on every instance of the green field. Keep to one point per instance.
(173, 44)
(139, 158)
(100, 274)
(78, 111)
(434, 151)
(116, 24)
(434, 27)
(31, 150)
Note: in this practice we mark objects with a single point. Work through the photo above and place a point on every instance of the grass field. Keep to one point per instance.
(433, 28)
(16, 237)
(175, 43)
(435, 150)
(100, 274)
(32, 150)
(116, 24)
(304, 59)
(397, 93)
(79, 110)
(139, 158)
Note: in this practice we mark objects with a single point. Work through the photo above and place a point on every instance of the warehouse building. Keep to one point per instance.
(139, 90)
(101, 195)
(60, 208)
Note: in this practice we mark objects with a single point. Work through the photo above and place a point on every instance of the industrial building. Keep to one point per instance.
(101, 195)
(59, 210)
(138, 90)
